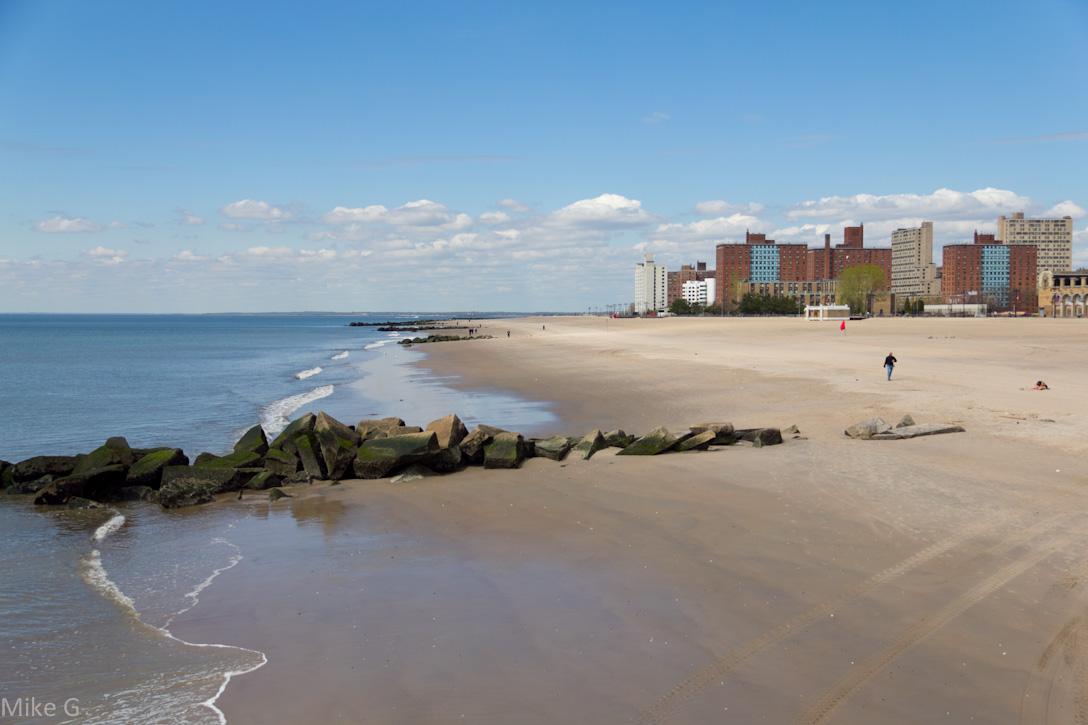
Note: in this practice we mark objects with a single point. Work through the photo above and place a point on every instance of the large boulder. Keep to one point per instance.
(447, 460)
(590, 444)
(264, 480)
(253, 441)
(188, 486)
(618, 439)
(309, 452)
(32, 468)
(97, 484)
(760, 437)
(25, 487)
(338, 444)
(380, 428)
(554, 448)
(281, 462)
(305, 424)
(472, 447)
(115, 452)
(5, 474)
(657, 441)
(244, 459)
(147, 471)
(723, 432)
(506, 450)
(698, 442)
(450, 431)
(136, 493)
(379, 457)
(905, 422)
(868, 428)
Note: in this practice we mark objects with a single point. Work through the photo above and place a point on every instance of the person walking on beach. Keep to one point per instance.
(889, 363)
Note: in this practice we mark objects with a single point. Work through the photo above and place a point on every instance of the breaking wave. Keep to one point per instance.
(276, 415)
(307, 373)
(339, 356)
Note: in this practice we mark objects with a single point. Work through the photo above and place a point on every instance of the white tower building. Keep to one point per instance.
(650, 285)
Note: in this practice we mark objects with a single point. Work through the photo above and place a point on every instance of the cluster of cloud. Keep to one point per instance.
(533, 259)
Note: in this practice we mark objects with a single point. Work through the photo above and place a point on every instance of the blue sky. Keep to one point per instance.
(203, 157)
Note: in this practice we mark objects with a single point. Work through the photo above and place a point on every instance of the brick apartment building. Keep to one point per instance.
(987, 272)
(761, 262)
(687, 273)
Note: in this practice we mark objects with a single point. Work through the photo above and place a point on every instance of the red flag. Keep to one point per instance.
(843, 326)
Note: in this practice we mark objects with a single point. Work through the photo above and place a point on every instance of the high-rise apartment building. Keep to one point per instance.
(757, 260)
(913, 272)
(998, 274)
(650, 285)
(830, 262)
(699, 292)
(1053, 238)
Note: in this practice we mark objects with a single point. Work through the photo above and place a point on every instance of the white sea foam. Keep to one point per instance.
(340, 355)
(307, 373)
(94, 573)
(379, 343)
(115, 522)
(276, 415)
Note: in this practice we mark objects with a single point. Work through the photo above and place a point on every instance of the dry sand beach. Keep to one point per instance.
(823, 580)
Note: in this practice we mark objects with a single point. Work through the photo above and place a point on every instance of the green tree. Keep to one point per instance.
(752, 304)
(680, 306)
(856, 284)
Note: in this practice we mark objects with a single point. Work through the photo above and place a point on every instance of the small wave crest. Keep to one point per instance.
(339, 355)
(307, 373)
(379, 343)
(276, 415)
(97, 579)
(116, 521)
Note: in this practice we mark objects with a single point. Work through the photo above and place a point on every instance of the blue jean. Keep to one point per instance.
(889, 371)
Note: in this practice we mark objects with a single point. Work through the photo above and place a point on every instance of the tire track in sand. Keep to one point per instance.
(686, 691)
(1066, 671)
(850, 683)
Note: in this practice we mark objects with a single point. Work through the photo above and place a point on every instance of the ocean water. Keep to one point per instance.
(88, 596)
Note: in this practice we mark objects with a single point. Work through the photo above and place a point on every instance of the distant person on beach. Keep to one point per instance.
(889, 363)
(508, 333)
(1040, 385)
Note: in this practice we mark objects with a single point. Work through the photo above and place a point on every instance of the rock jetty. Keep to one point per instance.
(320, 448)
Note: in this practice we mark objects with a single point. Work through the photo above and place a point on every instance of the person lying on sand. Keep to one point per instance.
(1040, 385)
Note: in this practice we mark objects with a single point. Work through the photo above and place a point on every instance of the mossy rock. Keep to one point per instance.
(107, 455)
(38, 466)
(97, 484)
(244, 459)
(264, 480)
(506, 450)
(254, 441)
(554, 448)
(378, 457)
(304, 424)
(281, 462)
(698, 442)
(147, 471)
(656, 441)
(591, 444)
(309, 452)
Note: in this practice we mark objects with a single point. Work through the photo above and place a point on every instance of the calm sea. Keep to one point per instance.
(88, 596)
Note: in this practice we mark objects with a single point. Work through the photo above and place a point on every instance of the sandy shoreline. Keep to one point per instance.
(821, 580)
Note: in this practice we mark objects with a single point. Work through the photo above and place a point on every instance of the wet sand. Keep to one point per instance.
(823, 580)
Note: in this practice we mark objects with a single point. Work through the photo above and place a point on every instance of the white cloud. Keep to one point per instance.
(724, 208)
(1064, 208)
(250, 209)
(188, 218)
(343, 215)
(605, 211)
(941, 204)
(102, 255)
(731, 227)
(233, 227)
(656, 117)
(117, 225)
(514, 205)
(187, 255)
(492, 218)
(60, 224)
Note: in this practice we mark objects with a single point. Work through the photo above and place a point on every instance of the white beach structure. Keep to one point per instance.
(821, 313)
